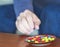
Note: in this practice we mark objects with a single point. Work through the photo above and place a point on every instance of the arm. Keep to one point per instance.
(21, 5)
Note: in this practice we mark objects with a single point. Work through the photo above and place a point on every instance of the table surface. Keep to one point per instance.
(14, 40)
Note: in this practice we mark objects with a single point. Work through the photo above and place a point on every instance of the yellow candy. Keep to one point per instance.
(46, 40)
(36, 42)
(43, 39)
(37, 36)
(53, 39)
(32, 40)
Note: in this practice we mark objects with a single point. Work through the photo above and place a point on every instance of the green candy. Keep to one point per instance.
(50, 39)
(32, 40)
(28, 41)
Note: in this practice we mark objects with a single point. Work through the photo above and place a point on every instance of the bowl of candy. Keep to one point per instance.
(40, 40)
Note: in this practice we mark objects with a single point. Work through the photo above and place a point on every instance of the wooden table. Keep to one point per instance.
(13, 40)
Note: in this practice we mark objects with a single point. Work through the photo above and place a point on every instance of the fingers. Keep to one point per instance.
(22, 28)
(22, 24)
(35, 19)
(27, 21)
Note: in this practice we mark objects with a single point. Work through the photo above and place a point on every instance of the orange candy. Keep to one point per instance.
(36, 42)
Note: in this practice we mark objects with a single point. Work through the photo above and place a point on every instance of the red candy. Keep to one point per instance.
(38, 39)
(30, 38)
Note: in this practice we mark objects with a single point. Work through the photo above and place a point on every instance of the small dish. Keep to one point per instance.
(40, 40)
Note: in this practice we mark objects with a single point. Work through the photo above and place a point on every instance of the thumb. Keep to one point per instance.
(36, 21)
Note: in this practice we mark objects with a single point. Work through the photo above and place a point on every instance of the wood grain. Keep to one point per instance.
(14, 40)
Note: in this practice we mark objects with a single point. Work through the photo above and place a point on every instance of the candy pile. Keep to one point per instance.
(41, 39)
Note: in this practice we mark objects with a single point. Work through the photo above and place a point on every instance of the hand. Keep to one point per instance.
(27, 22)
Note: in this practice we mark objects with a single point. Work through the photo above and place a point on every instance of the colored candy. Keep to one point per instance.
(41, 39)
(34, 39)
(53, 39)
(37, 36)
(28, 40)
(46, 40)
(36, 42)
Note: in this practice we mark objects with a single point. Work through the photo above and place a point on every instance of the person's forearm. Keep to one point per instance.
(21, 5)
